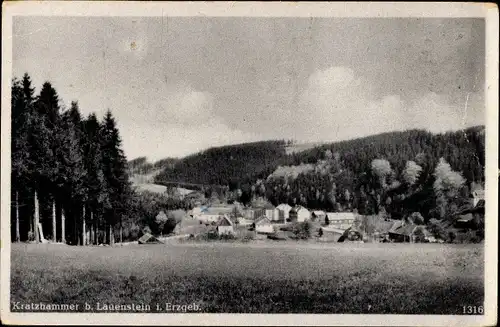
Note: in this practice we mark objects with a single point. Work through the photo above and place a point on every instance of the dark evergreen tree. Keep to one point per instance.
(114, 167)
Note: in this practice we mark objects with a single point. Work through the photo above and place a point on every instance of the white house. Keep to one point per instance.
(264, 225)
(283, 211)
(341, 220)
(299, 214)
(210, 214)
(225, 226)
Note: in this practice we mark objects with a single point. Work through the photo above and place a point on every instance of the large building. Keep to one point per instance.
(299, 214)
(340, 220)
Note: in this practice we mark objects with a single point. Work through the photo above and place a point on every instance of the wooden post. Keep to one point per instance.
(54, 239)
(83, 226)
(18, 235)
(63, 227)
(37, 219)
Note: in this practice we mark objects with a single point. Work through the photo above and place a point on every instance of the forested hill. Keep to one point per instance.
(238, 165)
(463, 150)
(227, 165)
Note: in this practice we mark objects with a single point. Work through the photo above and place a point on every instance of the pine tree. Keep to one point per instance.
(94, 181)
(71, 174)
(114, 167)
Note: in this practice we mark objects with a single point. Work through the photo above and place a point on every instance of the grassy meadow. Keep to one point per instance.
(256, 278)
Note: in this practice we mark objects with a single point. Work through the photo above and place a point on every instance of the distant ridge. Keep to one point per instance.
(239, 164)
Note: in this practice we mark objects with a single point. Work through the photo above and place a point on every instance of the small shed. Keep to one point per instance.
(263, 225)
(149, 239)
(225, 226)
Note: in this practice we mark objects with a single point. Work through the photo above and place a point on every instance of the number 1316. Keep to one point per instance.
(472, 309)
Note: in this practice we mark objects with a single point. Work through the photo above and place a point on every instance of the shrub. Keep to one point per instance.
(227, 237)
(302, 230)
(248, 236)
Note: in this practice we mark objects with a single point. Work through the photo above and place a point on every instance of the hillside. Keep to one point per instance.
(244, 163)
(228, 165)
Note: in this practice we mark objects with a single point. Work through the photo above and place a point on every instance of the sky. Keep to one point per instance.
(178, 85)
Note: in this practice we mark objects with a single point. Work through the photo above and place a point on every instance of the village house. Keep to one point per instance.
(211, 214)
(299, 214)
(409, 232)
(263, 225)
(283, 212)
(225, 226)
(341, 220)
(267, 210)
(244, 221)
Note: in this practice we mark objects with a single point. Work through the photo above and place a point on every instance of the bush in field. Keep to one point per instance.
(226, 237)
(302, 230)
(248, 236)
(327, 221)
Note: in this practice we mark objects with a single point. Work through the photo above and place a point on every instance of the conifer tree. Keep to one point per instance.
(114, 166)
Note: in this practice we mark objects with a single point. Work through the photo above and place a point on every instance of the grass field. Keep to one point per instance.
(250, 278)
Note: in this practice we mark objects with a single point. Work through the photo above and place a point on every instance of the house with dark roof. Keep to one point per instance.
(409, 232)
(225, 226)
(401, 232)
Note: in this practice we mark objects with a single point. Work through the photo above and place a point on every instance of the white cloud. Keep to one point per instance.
(337, 104)
(183, 123)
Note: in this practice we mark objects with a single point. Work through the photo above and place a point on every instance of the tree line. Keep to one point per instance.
(69, 173)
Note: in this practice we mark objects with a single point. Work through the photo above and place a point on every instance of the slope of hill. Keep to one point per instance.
(227, 165)
(241, 164)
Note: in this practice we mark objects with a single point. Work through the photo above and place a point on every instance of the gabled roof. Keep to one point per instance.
(224, 221)
(298, 208)
(263, 221)
(284, 206)
(399, 228)
(149, 239)
(264, 206)
(217, 210)
(318, 213)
